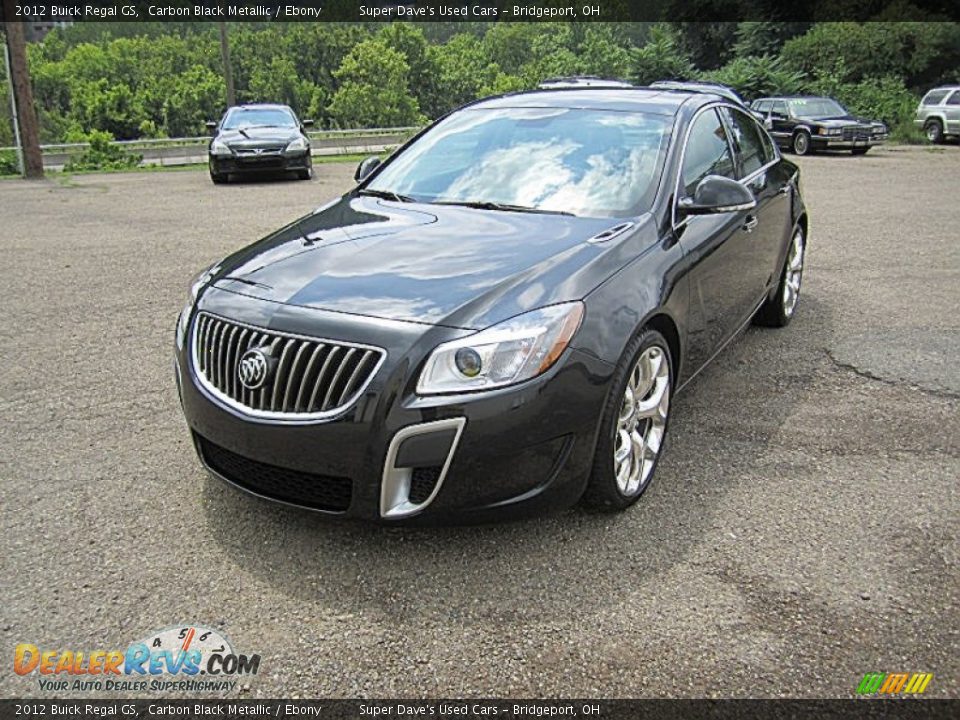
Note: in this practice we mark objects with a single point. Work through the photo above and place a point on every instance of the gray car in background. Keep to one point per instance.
(939, 113)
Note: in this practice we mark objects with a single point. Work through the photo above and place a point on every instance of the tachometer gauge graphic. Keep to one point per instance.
(186, 637)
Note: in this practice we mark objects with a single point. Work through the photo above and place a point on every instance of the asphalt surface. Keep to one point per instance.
(801, 532)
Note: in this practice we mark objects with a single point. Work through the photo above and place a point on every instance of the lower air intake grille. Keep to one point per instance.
(422, 483)
(306, 377)
(321, 492)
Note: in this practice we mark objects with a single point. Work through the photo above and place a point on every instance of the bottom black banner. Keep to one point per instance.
(447, 709)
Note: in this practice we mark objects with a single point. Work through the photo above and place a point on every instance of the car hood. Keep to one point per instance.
(844, 121)
(439, 265)
(256, 136)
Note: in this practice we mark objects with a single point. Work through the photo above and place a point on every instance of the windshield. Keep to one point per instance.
(584, 162)
(258, 117)
(817, 108)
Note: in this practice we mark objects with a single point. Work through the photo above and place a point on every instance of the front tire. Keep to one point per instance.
(633, 426)
(218, 178)
(779, 310)
(801, 143)
(860, 150)
(933, 129)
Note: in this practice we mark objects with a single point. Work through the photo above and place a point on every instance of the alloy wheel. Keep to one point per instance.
(801, 143)
(793, 274)
(642, 421)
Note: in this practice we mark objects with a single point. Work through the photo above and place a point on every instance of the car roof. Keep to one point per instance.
(628, 99)
(582, 81)
(793, 97)
(698, 86)
(259, 106)
(944, 87)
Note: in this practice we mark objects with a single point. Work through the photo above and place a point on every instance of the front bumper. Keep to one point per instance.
(838, 143)
(394, 456)
(263, 163)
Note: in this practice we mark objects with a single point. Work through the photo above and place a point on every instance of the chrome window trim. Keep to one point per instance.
(395, 483)
(268, 416)
(683, 153)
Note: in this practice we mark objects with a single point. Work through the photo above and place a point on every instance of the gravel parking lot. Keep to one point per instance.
(802, 530)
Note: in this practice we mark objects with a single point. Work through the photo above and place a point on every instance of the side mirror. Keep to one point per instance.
(365, 168)
(716, 194)
(210, 125)
(307, 123)
(768, 122)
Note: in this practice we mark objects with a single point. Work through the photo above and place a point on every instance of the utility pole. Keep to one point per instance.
(227, 69)
(23, 94)
(13, 107)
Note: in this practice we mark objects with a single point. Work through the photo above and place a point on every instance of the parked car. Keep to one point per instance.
(939, 113)
(257, 139)
(495, 320)
(806, 124)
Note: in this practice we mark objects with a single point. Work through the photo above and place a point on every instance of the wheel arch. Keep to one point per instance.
(664, 324)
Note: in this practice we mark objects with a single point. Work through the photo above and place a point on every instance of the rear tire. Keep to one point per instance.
(633, 426)
(801, 143)
(933, 129)
(779, 309)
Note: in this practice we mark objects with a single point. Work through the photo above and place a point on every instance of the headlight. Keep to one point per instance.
(218, 147)
(513, 351)
(196, 285)
(879, 129)
(298, 145)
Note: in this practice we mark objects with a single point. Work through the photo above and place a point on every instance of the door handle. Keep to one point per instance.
(784, 189)
(750, 224)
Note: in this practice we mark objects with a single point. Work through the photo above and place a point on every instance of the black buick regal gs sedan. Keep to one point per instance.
(496, 320)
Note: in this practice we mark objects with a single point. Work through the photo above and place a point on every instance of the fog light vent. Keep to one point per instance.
(417, 462)
(422, 483)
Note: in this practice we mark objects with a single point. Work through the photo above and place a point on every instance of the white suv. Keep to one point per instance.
(939, 113)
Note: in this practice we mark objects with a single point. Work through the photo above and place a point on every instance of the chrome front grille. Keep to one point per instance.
(310, 378)
(860, 132)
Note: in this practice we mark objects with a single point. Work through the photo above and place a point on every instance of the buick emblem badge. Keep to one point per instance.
(253, 369)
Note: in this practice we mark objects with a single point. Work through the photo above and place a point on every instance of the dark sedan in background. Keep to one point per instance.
(804, 124)
(260, 138)
(495, 321)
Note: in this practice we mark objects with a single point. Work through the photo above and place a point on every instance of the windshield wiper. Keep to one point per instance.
(386, 195)
(490, 205)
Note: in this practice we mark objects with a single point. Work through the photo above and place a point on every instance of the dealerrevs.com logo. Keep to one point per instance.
(185, 657)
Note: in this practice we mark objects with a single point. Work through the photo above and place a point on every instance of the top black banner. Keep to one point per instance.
(42, 11)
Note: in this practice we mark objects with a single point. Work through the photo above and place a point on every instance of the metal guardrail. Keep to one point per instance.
(188, 150)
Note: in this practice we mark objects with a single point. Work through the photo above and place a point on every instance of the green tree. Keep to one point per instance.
(374, 88)
(922, 53)
(662, 58)
(755, 77)
(464, 72)
(411, 42)
(605, 52)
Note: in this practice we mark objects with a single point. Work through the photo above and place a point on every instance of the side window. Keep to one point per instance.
(780, 108)
(934, 97)
(954, 99)
(762, 106)
(707, 152)
(747, 140)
